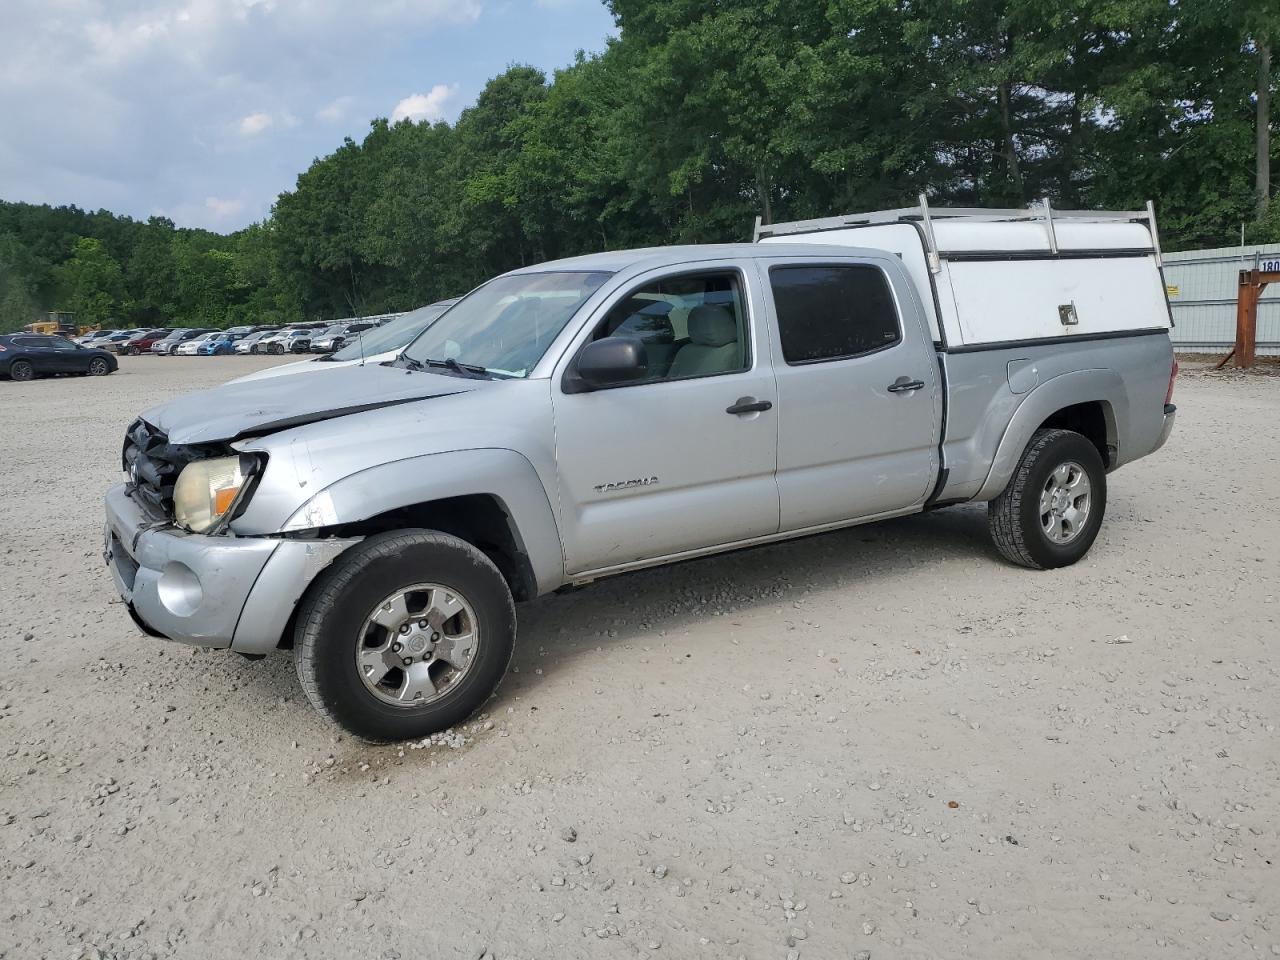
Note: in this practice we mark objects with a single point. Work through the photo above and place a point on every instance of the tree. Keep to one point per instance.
(93, 284)
(18, 304)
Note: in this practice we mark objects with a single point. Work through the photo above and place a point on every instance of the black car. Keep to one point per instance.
(25, 356)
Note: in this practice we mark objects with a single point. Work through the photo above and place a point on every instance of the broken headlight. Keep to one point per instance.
(208, 490)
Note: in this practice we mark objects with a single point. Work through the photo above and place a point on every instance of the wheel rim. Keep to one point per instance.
(21, 371)
(1065, 502)
(98, 367)
(417, 644)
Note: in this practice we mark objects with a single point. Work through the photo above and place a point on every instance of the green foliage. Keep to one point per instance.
(696, 119)
(92, 284)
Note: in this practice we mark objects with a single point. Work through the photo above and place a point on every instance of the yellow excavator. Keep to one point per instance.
(59, 322)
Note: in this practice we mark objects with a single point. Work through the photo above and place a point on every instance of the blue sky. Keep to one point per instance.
(204, 110)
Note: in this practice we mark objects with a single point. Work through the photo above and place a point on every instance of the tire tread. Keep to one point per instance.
(1004, 511)
(334, 582)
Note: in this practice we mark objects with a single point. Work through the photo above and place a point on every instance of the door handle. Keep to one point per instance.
(749, 405)
(903, 385)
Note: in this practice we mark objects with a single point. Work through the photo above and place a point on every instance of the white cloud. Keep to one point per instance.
(157, 105)
(424, 106)
(221, 209)
(254, 124)
(336, 110)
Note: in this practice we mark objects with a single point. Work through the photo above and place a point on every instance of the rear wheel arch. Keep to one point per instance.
(1095, 420)
(1090, 402)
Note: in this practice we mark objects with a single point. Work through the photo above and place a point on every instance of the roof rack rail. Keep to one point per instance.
(926, 215)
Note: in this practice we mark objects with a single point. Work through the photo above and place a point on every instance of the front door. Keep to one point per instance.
(661, 466)
(858, 392)
(67, 357)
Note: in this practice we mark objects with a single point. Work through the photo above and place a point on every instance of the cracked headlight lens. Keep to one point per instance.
(207, 490)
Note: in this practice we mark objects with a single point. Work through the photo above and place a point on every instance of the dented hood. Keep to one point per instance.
(258, 407)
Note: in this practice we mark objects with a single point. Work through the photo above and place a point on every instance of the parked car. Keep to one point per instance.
(166, 346)
(293, 340)
(249, 343)
(575, 420)
(25, 356)
(336, 336)
(219, 344)
(378, 345)
(142, 342)
(109, 339)
(282, 341)
(88, 338)
(189, 348)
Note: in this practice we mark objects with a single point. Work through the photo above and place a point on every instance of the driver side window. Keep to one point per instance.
(694, 325)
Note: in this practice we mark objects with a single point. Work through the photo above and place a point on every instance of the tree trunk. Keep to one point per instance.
(766, 201)
(1070, 196)
(1263, 178)
(1010, 148)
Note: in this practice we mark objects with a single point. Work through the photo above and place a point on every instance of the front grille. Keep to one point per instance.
(152, 467)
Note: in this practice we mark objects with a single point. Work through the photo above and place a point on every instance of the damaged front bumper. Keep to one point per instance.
(222, 591)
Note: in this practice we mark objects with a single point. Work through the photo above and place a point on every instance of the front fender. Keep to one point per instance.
(1065, 390)
(502, 474)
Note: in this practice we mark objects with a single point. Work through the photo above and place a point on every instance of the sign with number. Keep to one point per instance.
(1270, 265)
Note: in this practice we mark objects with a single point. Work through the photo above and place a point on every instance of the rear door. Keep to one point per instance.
(661, 466)
(859, 397)
(37, 350)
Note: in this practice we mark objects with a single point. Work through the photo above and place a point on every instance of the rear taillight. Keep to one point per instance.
(1173, 375)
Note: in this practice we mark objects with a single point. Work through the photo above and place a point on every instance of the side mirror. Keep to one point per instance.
(611, 361)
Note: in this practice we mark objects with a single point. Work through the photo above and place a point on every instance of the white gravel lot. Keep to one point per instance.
(883, 742)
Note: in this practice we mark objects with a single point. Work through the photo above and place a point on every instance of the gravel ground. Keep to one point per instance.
(877, 743)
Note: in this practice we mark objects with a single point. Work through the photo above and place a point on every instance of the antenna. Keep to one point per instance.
(360, 340)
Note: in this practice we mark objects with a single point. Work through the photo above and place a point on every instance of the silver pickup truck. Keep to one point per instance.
(588, 417)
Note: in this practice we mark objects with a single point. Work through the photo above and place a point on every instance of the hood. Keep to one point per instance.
(242, 409)
(315, 365)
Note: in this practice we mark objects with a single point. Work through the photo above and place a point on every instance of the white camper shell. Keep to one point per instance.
(1004, 276)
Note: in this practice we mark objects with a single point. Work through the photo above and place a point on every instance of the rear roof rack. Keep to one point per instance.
(925, 215)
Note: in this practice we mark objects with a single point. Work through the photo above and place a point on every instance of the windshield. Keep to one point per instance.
(393, 335)
(506, 325)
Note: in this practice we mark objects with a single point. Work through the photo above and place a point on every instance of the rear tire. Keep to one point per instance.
(1050, 512)
(22, 370)
(336, 631)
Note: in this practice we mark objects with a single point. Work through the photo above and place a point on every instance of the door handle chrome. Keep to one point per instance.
(749, 405)
(903, 385)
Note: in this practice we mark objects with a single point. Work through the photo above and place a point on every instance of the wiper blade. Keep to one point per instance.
(408, 361)
(463, 369)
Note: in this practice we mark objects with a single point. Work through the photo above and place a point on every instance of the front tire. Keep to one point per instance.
(22, 370)
(1051, 511)
(406, 634)
(98, 367)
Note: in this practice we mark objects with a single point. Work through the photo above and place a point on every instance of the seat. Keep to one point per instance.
(713, 344)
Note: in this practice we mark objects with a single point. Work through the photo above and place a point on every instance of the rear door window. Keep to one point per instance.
(833, 311)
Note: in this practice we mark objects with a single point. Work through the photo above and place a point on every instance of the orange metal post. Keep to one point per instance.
(1252, 283)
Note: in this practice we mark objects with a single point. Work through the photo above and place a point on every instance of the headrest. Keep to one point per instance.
(712, 326)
